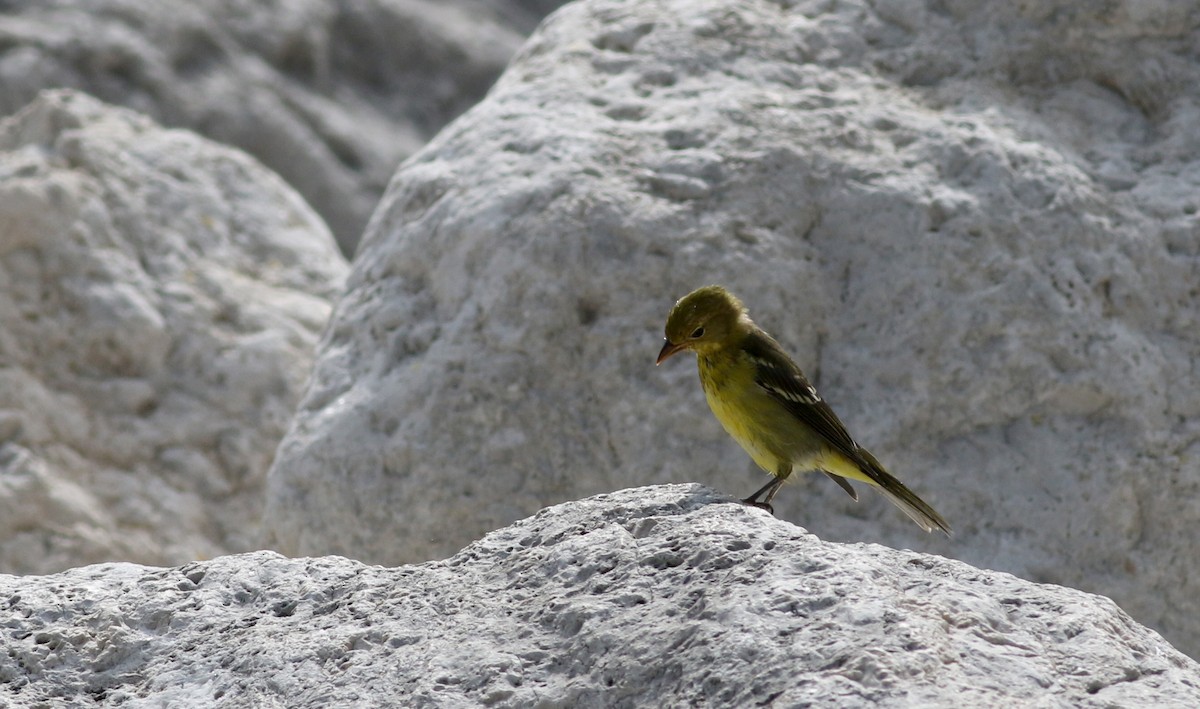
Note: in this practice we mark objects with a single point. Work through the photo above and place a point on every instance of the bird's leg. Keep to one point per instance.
(770, 489)
(778, 484)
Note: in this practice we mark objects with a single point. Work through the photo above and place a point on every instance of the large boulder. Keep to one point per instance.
(973, 224)
(160, 299)
(331, 95)
(649, 597)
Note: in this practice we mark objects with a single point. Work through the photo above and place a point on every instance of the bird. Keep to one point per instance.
(764, 401)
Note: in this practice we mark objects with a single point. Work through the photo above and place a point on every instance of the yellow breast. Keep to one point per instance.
(737, 402)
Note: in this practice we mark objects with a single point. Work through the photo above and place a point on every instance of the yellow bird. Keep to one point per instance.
(764, 401)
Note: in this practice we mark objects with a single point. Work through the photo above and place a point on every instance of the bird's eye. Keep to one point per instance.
(698, 332)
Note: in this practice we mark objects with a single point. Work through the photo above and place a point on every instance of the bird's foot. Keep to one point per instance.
(760, 505)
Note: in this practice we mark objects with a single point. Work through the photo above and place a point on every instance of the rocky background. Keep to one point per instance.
(657, 596)
(974, 225)
(330, 95)
(161, 297)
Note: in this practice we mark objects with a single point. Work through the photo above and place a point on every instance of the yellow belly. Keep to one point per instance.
(766, 430)
(734, 420)
(738, 403)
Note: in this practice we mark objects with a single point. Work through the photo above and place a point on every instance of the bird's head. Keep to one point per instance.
(705, 320)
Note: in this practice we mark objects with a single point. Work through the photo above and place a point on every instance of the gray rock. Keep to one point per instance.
(160, 298)
(661, 596)
(331, 95)
(973, 224)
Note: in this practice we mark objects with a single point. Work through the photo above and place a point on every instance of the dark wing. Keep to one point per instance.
(779, 376)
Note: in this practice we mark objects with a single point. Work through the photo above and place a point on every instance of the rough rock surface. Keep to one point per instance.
(973, 223)
(331, 95)
(662, 596)
(160, 298)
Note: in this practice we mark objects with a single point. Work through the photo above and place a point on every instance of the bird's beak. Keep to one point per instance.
(667, 350)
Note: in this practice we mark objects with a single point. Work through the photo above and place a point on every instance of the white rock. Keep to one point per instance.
(974, 227)
(160, 297)
(652, 597)
(331, 95)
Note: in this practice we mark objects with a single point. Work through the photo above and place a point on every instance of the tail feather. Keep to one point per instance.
(844, 484)
(917, 509)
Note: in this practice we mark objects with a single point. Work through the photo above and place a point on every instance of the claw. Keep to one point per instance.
(760, 505)
(769, 490)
